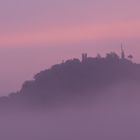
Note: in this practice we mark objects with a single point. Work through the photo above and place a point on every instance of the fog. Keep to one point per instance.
(111, 114)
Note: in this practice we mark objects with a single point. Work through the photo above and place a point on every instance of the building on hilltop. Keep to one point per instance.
(84, 57)
(122, 52)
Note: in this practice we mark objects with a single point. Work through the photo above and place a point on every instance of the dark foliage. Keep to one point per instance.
(75, 77)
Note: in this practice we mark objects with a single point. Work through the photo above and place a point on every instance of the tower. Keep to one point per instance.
(84, 57)
(122, 52)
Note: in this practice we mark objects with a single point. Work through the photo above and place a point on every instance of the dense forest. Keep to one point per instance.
(75, 77)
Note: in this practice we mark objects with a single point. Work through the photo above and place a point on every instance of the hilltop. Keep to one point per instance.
(75, 77)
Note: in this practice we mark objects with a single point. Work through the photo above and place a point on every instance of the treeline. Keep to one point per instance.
(74, 77)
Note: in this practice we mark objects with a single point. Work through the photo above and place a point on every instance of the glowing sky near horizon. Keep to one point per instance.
(33, 31)
(64, 21)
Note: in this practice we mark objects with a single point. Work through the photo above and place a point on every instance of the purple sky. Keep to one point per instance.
(37, 33)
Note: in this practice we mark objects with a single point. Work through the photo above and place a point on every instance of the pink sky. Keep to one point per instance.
(37, 33)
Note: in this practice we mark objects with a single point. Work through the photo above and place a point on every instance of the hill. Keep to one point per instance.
(74, 78)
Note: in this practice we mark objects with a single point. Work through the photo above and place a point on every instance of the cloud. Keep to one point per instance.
(73, 33)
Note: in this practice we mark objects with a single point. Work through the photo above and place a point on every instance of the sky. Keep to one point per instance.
(34, 34)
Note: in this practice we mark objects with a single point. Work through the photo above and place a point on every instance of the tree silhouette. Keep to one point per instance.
(130, 57)
(75, 77)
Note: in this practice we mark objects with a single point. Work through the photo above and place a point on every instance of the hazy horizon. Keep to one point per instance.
(111, 114)
(20, 64)
(96, 98)
(38, 33)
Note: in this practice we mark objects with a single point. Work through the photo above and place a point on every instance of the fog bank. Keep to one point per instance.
(112, 114)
